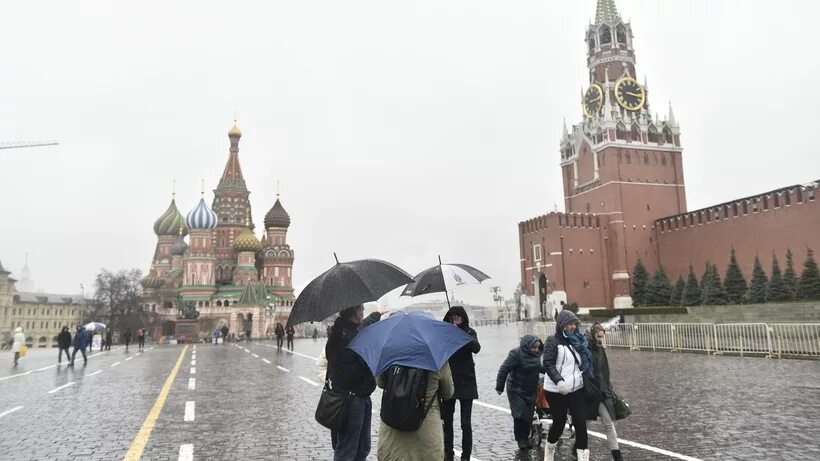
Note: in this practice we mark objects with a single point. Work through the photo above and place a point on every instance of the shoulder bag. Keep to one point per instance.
(333, 409)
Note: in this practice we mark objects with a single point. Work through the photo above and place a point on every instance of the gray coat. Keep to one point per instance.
(520, 375)
(600, 370)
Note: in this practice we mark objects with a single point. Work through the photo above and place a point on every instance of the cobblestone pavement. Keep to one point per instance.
(249, 401)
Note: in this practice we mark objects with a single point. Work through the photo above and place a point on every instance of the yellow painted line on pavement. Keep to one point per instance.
(138, 445)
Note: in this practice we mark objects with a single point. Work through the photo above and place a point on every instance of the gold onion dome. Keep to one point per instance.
(151, 280)
(234, 132)
(170, 222)
(247, 242)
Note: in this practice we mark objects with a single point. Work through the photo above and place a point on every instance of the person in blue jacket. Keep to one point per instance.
(80, 343)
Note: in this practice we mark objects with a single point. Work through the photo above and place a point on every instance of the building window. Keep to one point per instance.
(754, 205)
(765, 203)
(536, 252)
(734, 209)
(787, 198)
(776, 198)
(745, 207)
(586, 284)
(811, 195)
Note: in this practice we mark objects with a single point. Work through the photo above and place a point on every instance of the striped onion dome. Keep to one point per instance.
(201, 217)
(246, 241)
(170, 222)
(179, 247)
(151, 280)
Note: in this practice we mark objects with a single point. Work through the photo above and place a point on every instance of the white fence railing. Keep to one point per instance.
(769, 340)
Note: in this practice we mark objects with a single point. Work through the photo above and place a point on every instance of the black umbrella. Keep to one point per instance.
(443, 277)
(346, 285)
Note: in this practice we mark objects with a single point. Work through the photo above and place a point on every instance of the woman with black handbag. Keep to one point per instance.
(565, 361)
(603, 404)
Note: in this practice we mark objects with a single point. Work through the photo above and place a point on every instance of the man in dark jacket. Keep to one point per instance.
(108, 339)
(466, 390)
(519, 373)
(279, 331)
(63, 342)
(347, 372)
(126, 338)
(224, 334)
(80, 343)
(290, 332)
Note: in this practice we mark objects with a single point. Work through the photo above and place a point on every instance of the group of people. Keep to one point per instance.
(558, 367)
(281, 332)
(81, 341)
(221, 333)
(454, 383)
(567, 358)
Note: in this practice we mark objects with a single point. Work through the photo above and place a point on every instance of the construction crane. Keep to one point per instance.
(21, 144)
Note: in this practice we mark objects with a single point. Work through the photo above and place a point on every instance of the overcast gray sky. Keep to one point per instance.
(398, 130)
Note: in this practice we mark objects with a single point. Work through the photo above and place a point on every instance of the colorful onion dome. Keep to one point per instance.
(201, 217)
(246, 241)
(170, 222)
(179, 247)
(234, 132)
(277, 216)
(151, 281)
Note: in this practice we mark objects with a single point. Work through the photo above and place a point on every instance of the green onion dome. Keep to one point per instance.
(151, 280)
(170, 222)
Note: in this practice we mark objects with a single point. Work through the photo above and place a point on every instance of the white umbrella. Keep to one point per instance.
(93, 326)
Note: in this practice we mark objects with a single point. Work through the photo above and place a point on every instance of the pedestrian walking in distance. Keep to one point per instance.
(224, 334)
(63, 342)
(315, 334)
(519, 373)
(108, 339)
(290, 332)
(81, 339)
(462, 367)
(126, 338)
(217, 333)
(247, 336)
(426, 443)
(566, 357)
(18, 341)
(141, 338)
(604, 404)
(279, 332)
(349, 373)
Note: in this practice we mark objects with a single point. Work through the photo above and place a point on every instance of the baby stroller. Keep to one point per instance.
(542, 420)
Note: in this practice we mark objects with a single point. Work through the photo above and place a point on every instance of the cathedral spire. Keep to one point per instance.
(672, 122)
(607, 13)
(232, 176)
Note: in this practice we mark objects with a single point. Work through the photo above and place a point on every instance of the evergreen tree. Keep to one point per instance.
(789, 276)
(677, 292)
(735, 283)
(777, 291)
(713, 291)
(809, 288)
(692, 293)
(640, 278)
(659, 289)
(757, 289)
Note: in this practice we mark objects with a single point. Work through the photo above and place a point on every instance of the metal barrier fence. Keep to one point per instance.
(775, 340)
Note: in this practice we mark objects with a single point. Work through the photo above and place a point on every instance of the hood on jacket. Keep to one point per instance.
(563, 319)
(527, 341)
(458, 310)
(18, 330)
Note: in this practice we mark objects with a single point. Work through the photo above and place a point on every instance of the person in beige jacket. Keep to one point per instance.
(427, 443)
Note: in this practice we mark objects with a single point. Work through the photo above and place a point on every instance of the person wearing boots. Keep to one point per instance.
(604, 405)
(519, 373)
(566, 357)
(462, 367)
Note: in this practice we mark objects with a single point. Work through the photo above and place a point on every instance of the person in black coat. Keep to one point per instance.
(279, 331)
(604, 404)
(63, 342)
(520, 374)
(108, 340)
(224, 331)
(290, 332)
(466, 389)
(81, 341)
(126, 338)
(347, 372)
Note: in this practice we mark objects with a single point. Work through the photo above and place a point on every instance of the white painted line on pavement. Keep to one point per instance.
(18, 374)
(193, 370)
(494, 407)
(8, 412)
(301, 355)
(115, 364)
(309, 381)
(193, 362)
(186, 452)
(62, 387)
(255, 356)
(266, 361)
(95, 373)
(46, 368)
(194, 348)
(138, 354)
(190, 408)
(129, 358)
(191, 384)
(283, 369)
(247, 351)
(458, 454)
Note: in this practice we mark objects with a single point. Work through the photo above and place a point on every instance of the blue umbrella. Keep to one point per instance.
(412, 339)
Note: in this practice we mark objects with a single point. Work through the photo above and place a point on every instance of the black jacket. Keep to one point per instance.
(290, 332)
(64, 339)
(600, 370)
(345, 369)
(461, 363)
(520, 374)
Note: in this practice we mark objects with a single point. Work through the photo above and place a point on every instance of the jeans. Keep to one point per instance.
(279, 340)
(354, 443)
(74, 354)
(609, 427)
(448, 409)
(559, 405)
(521, 429)
(60, 355)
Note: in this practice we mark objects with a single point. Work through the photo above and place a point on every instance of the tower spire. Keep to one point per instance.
(607, 12)
(671, 120)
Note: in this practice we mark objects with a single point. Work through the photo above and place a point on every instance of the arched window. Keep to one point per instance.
(653, 134)
(620, 132)
(621, 34)
(219, 304)
(605, 35)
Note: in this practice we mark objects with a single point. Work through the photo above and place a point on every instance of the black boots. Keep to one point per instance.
(524, 445)
(616, 455)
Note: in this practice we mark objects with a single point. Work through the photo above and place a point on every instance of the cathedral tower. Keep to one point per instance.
(277, 255)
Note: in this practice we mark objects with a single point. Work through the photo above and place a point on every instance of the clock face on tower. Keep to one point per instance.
(593, 99)
(629, 93)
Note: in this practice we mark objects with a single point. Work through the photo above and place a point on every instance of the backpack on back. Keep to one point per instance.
(404, 401)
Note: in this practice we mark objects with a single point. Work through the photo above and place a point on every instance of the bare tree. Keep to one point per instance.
(118, 300)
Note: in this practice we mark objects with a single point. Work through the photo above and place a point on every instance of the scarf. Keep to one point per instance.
(581, 345)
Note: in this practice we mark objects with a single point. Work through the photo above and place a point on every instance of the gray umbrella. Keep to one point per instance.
(346, 285)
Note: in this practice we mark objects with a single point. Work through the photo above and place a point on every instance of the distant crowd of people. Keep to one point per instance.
(82, 340)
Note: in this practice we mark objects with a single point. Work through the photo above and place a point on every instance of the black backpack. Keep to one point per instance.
(404, 401)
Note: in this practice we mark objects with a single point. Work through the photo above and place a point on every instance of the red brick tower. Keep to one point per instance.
(231, 206)
(277, 255)
(621, 162)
